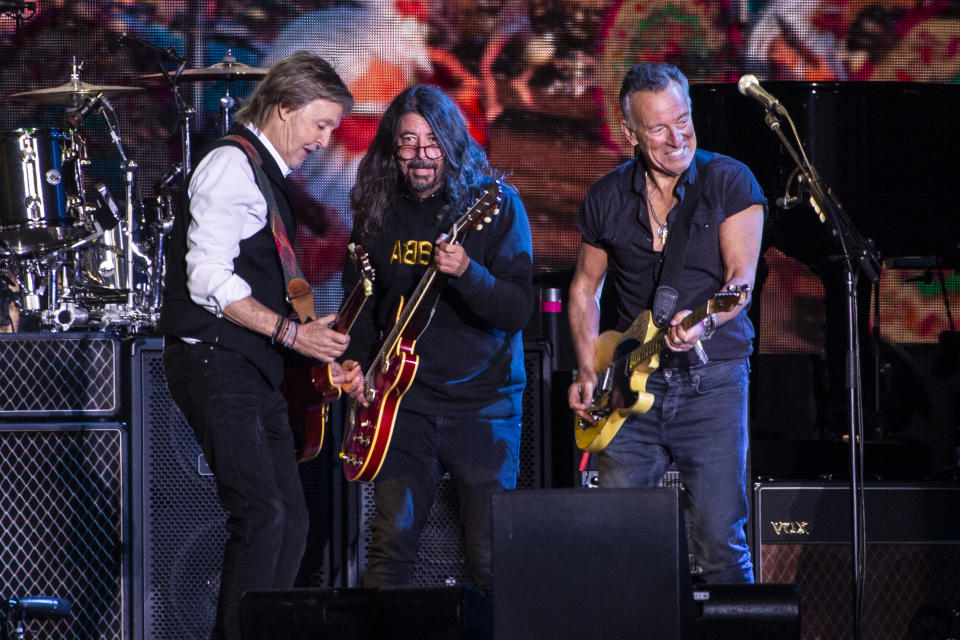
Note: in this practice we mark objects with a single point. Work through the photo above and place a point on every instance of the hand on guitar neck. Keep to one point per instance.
(450, 258)
(328, 381)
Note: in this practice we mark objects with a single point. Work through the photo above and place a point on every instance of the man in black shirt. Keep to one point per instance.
(699, 415)
(462, 413)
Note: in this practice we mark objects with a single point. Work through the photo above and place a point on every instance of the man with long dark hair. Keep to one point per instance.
(226, 320)
(462, 414)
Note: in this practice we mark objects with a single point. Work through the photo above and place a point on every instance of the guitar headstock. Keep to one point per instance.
(481, 212)
(364, 267)
(727, 300)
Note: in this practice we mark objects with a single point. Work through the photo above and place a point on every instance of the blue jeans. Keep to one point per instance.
(482, 456)
(699, 421)
(242, 426)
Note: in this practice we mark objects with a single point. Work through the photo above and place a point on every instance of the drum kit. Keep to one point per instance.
(71, 257)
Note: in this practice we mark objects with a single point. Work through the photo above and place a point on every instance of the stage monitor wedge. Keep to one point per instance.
(590, 564)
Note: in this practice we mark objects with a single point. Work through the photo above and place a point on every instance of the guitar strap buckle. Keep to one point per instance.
(663, 304)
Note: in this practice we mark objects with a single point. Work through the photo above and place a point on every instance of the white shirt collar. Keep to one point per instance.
(284, 169)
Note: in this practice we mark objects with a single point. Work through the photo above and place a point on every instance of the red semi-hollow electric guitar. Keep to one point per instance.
(369, 429)
(308, 432)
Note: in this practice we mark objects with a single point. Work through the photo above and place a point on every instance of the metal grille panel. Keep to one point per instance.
(61, 514)
(183, 523)
(900, 578)
(533, 471)
(53, 375)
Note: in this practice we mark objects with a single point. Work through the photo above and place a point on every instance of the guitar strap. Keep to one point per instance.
(675, 252)
(298, 289)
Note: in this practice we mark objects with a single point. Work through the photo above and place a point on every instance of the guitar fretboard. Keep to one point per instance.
(652, 347)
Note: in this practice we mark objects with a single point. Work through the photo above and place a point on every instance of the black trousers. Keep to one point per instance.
(242, 426)
(482, 456)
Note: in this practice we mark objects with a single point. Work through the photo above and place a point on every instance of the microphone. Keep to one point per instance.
(17, 5)
(88, 105)
(165, 53)
(39, 607)
(788, 201)
(107, 212)
(750, 87)
(168, 178)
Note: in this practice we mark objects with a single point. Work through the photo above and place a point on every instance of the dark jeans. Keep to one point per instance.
(242, 426)
(698, 420)
(482, 456)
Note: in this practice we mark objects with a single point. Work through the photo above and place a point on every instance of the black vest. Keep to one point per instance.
(258, 264)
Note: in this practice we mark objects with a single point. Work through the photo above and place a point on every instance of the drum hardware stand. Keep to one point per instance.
(227, 102)
(184, 113)
(160, 230)
(859, 255)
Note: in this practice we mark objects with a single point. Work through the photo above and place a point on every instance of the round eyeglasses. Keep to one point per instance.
(411, 151)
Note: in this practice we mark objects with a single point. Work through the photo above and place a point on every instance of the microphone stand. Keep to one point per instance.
(859, 255)
(184, 113)
(129, 168)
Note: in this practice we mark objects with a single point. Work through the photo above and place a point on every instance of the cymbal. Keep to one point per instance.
(227, 70)
(71, 94)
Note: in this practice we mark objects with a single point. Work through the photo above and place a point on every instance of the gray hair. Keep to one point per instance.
(294, 82)
(650, 76)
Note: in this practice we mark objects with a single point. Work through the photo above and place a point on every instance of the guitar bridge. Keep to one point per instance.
(596, 413)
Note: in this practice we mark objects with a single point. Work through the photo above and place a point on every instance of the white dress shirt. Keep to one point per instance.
(226, 206)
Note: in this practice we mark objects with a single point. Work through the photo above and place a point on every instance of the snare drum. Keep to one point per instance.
(41, 190)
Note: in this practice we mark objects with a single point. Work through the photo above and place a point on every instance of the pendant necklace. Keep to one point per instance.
(663, 230)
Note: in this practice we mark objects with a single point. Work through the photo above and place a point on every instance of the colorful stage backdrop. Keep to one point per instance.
(536, 80)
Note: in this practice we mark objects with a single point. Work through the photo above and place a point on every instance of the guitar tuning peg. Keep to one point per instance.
(488, 219)
(479, 226)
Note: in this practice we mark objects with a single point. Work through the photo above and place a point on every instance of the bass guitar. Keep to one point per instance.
(624, 361)
(309, 416)
(369, 429)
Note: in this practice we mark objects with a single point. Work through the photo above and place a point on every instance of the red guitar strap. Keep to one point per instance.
(298, 289)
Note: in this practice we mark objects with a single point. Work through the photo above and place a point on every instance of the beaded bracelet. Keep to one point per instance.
(277, 329)
(291, 337)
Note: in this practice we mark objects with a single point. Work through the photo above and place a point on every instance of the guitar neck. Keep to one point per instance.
(403, 320)
(652, 347)
(351, 307)
(490, 199)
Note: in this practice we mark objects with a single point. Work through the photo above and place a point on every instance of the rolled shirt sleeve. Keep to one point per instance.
(226, 207)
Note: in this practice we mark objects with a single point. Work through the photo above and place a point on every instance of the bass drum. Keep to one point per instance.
(41, 190)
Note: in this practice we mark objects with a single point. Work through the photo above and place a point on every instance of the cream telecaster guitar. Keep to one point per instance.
(624, 361)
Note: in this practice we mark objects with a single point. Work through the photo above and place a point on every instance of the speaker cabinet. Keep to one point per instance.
(441, 560)
(912, 556)
(179, 532)
(62, 518)
(438, 613)
(54, 375)
(590, 564)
